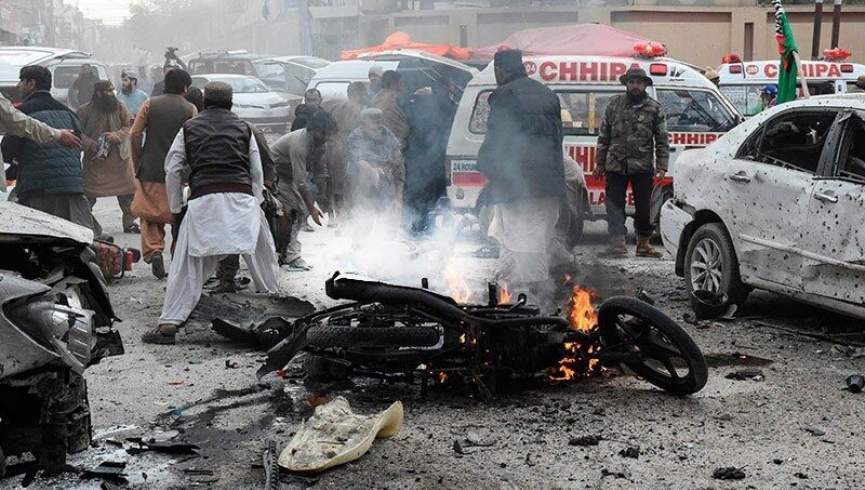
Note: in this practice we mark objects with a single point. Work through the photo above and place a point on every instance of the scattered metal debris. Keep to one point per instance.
(584, 441)
(108, 470)
(160, 446)
(630, 452)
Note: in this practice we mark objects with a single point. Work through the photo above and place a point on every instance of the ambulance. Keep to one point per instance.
(697, 114)
(741, 82)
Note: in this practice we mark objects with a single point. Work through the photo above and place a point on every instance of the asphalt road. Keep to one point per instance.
(794, 428)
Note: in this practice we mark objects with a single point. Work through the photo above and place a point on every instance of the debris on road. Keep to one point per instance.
(166, 447)
(708, 305)
(335, 435)
(584, 441)
(729, 473)
(746, 375)
(855, 383)
(814, 431)
(271, 469)
(107, 470)
(630, 452)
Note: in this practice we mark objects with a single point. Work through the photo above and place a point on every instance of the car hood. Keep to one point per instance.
(262, 99)
(20, 222)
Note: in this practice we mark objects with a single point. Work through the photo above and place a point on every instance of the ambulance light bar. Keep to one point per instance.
(658, 69)
(846, 68)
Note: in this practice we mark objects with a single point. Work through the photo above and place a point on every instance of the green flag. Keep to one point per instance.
(787, 69)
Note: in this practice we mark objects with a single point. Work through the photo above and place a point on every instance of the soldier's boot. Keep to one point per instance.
(645, 249)
(617, 248)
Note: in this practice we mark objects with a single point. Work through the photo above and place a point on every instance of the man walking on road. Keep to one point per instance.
(49, 176)
(223, 217)
(632, 149)
(521, 157)
(161, 117)
(108, 170)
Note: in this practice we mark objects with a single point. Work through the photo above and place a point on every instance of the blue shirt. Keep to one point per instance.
(133, 100)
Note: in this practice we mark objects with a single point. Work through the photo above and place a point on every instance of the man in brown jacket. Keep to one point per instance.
(161, 117)
(107, 167)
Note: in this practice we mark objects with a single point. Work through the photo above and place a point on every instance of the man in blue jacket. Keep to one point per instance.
(49, 175)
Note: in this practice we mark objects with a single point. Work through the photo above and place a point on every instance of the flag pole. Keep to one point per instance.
(804, 82)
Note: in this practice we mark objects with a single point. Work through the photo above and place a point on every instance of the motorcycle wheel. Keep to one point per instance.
(325, 336)
(322, 369)
(668, 357)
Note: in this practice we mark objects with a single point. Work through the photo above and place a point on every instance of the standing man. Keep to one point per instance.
(375, 73)
(49, 175)
(293, 154)
(304, 112)
(223, 217)
(81, 90)
(15, 123)
(346, 114)
(105, 124)
(389, 100)
(161, 117)
(632, 149)
(521, 157)
(130, 95)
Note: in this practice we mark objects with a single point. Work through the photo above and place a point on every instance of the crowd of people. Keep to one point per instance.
(373, 160)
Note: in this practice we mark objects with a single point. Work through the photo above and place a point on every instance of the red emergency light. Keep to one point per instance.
(846, 68)
(649, 49)
(735, 69)
(658, 69)
(835, 54)
(731, 58)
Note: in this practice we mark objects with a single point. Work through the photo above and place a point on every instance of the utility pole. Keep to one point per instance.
(305, 27)
(836, 24)
(818, 25)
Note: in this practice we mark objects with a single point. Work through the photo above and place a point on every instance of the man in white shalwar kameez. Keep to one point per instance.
(217, 153)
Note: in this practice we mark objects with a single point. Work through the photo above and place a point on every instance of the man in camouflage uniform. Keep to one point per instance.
(632, 149)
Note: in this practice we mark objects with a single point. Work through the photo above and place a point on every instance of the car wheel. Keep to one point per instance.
(711, 264)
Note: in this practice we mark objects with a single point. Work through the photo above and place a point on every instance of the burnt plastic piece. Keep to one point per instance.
(855, 383)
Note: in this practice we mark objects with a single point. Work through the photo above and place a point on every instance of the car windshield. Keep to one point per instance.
(244, 85)
(695, 111)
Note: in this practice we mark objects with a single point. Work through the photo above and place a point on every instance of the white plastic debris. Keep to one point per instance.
(335, 435)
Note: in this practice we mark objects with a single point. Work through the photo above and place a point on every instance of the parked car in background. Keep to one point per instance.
(255, 102)
(64, 64)
(776, 204)
(290, 74)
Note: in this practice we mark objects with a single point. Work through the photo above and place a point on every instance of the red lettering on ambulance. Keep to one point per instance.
(771, 70)
(617, 70)
(834, 71)
(588, 71)
(548, 70)
(568, 71)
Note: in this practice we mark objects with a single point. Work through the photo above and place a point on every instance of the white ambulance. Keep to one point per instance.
(696, 112)
(741, 82)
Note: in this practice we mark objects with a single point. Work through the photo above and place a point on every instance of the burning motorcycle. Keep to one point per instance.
(390, 331)
(55, 322)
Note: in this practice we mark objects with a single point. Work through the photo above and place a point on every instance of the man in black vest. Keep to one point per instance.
(223, 216)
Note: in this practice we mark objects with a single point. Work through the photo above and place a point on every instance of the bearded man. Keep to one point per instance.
(131, 96)
(108, 172)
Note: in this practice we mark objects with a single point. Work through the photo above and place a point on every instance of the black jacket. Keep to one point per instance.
(49, 168)
(217, 152)
(521, 156)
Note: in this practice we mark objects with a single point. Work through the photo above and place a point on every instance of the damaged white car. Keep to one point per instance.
(776, 204)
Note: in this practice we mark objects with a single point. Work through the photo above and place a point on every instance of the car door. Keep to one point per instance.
(833, 238)
(768, 188)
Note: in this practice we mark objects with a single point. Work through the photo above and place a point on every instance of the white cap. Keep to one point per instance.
(376, 70)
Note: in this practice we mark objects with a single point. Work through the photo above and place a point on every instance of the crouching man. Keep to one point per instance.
(223, 217)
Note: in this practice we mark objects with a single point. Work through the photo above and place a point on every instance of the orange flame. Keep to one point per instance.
(581, 314)
(504, 294)
(584, 318)
(442, 377)
(458, 288)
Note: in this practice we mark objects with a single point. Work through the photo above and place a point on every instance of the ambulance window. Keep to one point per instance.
(695, 111)
(746, 98)
(583, 112)
(478, 122)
